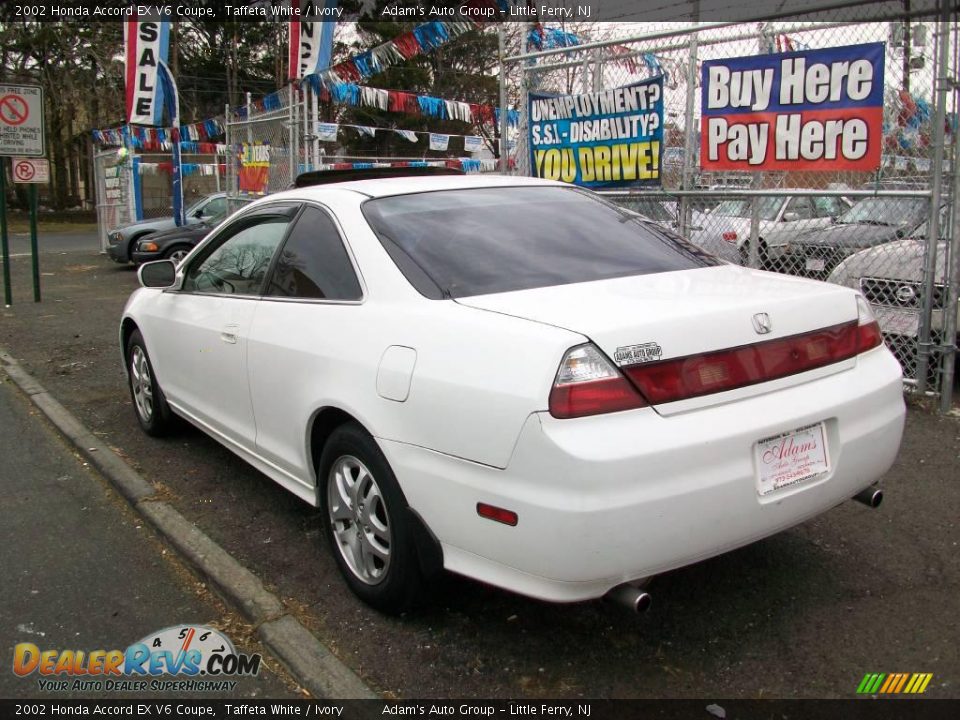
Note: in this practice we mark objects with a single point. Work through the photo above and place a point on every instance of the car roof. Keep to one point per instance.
(383, 187)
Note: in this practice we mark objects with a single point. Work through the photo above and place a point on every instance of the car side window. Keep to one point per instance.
(801, 206)
(217, 206)
(313, 263)
(238, 264)
(827, 206)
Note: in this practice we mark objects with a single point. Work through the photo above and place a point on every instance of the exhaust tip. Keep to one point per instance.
(630, 597)
(871, 497)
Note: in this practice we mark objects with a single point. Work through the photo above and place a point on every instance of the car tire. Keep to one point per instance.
(763, 256)
(149, 403)
(367, 522)
(177, 253)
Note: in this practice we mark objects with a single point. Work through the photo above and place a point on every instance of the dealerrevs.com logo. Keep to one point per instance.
(200, 658)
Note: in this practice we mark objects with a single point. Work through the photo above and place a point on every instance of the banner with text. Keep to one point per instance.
(254, 171)
(599, 139)
(311, 41)
(146, 45)
(810, 110)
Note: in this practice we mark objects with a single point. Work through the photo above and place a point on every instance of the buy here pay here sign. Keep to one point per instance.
(810, 110)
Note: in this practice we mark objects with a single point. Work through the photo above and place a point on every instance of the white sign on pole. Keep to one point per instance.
(31, 170)
(21, 120)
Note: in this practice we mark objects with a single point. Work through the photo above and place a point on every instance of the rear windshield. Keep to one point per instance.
(458, 243)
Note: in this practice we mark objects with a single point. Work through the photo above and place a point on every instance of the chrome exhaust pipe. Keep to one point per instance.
(871, 496)
(630, 597)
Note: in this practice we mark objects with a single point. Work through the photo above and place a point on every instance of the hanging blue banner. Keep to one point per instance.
(600, 139)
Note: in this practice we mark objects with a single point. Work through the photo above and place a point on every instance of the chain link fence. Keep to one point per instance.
(264, 150)
(870, 231)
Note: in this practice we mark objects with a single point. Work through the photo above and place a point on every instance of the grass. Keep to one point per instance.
(17, 225)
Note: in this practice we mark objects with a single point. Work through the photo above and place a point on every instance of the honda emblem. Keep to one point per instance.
(761, 323)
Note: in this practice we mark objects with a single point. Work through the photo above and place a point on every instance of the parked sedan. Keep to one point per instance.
(890, 276)
(123, 241)
(871, 222)
(725, 230)
(177, 243)
(511, 379)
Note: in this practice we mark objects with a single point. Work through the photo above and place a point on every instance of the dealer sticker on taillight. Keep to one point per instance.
(633, 354)
(791, 458)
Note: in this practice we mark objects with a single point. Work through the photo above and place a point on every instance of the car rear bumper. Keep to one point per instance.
(613, 498)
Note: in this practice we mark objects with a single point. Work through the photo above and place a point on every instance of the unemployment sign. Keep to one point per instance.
(810, 110)
(600, 139)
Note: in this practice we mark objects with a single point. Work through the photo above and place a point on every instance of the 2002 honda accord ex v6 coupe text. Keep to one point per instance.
(512, 379)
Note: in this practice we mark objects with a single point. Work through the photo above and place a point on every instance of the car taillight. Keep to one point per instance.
(730, 236)
(696, 375)
(868, 330)
(588, 384)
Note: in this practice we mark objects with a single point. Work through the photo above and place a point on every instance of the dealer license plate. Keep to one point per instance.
(791, 458)
(816, 264)
(898, 322)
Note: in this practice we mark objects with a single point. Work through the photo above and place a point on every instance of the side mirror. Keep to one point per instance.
(158, 274)
(791, 217)
(198, 213)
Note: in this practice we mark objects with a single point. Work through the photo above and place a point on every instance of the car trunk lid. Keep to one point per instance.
(641, 321)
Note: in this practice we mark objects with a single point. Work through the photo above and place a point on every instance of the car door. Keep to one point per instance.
(308, 345)
(199, 333)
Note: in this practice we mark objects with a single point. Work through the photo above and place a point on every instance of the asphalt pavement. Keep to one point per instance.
(803, 614)
(48, 242)
(81, 571)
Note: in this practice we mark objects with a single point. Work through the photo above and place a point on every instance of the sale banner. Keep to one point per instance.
(599, 139)
(809, 110)
(146, 44)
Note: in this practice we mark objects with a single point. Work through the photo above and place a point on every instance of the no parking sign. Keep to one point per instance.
(31, 170)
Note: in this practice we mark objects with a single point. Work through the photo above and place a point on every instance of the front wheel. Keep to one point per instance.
(150, 405)
(177, 253)
(366, 521)
(763, 256)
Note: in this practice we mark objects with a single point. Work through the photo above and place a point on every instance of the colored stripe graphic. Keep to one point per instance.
(894, 683)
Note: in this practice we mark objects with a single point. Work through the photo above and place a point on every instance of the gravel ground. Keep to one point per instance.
(804, 614)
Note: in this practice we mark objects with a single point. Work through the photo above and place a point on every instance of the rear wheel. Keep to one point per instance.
(151, 407)
(366, 521)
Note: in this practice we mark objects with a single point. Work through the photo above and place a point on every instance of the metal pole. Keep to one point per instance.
(294, 149)
(924, 346)
(523, 127)
(504, 123)
(7, 290)
(229, 159)
(314, 118)
(690, 141)
(307, 146)
(34, 250)
(951, 273)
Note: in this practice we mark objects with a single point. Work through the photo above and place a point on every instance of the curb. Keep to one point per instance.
(310, 662)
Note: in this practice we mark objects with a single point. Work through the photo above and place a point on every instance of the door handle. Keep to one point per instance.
(229, 334)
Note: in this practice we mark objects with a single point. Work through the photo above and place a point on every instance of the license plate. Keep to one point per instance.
(791, 458)
(816, 264)
(896, 321)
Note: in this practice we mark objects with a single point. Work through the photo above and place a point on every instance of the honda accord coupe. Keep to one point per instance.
(512, 379)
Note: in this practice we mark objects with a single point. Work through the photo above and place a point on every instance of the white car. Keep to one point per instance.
(513, 380)
(725, 230)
